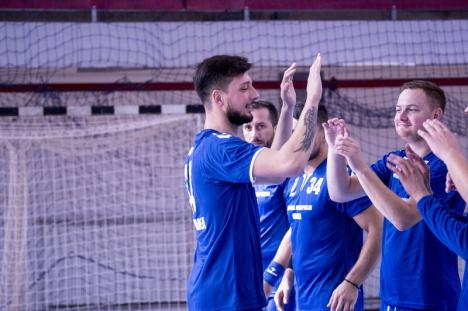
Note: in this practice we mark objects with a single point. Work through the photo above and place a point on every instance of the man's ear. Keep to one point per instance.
(217, 97)
(438, 113)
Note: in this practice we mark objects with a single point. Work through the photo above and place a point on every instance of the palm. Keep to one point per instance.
(314, 81)
(288, 93)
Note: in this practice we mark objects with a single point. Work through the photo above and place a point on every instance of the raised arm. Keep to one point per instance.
(288, 97)
(401, 213)
(272, 166)
(341, 186)
(446, 146)
(346, 294)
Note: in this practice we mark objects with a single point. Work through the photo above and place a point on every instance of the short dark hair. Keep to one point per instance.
(217, 72)
(273, 113)
(322, 113)
(432, 90)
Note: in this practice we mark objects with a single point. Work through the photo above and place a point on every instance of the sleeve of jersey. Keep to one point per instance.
(381, 170)
(448, 226)
(354, 207)
(230, 159)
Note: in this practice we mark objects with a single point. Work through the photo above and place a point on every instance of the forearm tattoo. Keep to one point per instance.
(310, 123)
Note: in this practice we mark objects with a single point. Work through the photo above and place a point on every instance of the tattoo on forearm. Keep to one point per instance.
(310, 123)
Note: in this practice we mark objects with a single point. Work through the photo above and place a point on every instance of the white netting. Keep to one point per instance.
(96, 216)
(95, 211)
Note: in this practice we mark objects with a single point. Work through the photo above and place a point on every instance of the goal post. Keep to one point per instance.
(95, 212)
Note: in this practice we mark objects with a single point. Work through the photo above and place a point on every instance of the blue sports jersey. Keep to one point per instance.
(227, 270)
(452, 230)
(273, 225)
(326, 241)
(273, 219)
(417, 270)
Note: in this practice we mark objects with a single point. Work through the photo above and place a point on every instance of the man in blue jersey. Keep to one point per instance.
(219, 171)
(329, 259)
(450, 228)
(418, 272)
(263, 131)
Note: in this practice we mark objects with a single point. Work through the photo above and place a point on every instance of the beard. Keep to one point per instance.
(236, 118)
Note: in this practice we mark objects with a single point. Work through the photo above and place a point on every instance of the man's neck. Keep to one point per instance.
(420, 147)
(221, 125)
(315, 162)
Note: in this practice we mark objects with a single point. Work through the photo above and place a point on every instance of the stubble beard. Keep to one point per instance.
(236, 118)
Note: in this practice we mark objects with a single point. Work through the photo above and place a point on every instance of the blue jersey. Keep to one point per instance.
(452, 230)
(227, 270)
(273, 219)
(417, 270)
(326, 241)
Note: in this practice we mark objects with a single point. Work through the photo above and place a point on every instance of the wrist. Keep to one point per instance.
(419, 195)
(352, 283)
(273, 273)
(361, 169)
(287, 105)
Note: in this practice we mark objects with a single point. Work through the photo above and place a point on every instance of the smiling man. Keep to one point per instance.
(418, 272)
(219, 171)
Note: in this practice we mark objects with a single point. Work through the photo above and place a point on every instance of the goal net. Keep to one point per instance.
(94, 213)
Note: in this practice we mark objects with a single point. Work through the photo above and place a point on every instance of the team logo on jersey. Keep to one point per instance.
(199, 223)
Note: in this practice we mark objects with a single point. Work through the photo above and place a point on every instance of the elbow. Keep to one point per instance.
(402, 225)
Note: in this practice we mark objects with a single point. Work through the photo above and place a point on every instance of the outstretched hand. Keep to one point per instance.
(413, 173)
(288, 93)
(440, 139)
(333, 128)
(314, 82)
(350, 148)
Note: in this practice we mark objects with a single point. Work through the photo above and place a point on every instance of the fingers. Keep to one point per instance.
(421, 166)
(317, 64)
(344, 132)
(416, 160)
(449, 184)
(279, 299)
(332, 302)
(433, 129)
(434, 125)
(335, 123)
(398, 165)
(409, 152)
(288, 74)
(425, 135)
(286, 299)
